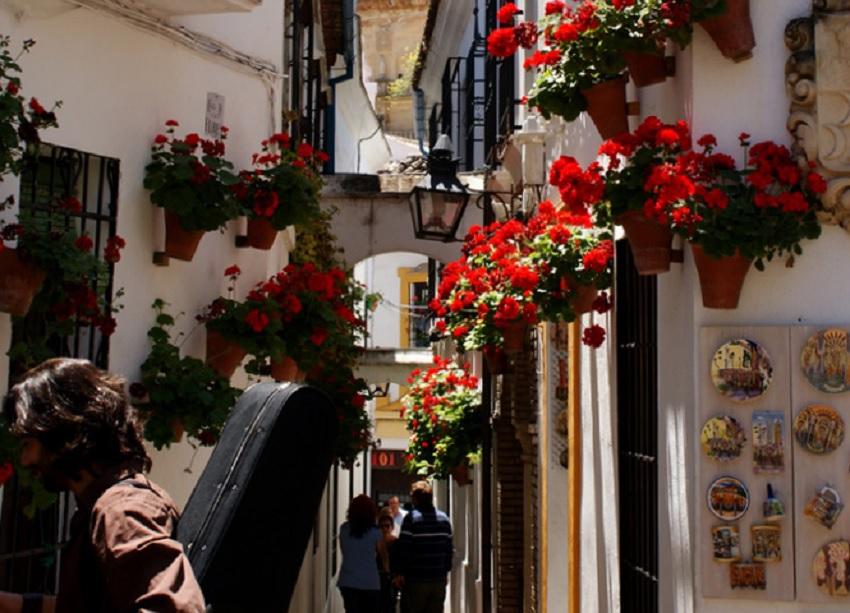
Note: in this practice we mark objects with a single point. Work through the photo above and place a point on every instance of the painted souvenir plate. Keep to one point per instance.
(728, 498)
(722, 438)
(825, 360)
(819, 428)
(830, 566)
(741, 369)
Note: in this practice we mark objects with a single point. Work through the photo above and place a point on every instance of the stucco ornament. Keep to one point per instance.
(818, 84)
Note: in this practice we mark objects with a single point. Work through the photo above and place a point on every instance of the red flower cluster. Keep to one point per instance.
(505, 15)
(579, 188)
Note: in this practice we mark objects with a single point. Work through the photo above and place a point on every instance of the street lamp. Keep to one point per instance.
(438, 202)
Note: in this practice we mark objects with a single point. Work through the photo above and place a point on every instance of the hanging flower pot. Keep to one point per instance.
(19, 283)
(720, 279)
(514, 334)
(460, 475)
(732, 31)
(179, 242)
(287, 370)
(649, 240)
(497, 360)
(606, 105)
(223, 355)
(261, 233)
(177, 429)
(583, 299)
(646, 68)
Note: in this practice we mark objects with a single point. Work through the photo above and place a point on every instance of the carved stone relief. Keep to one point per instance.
(817, 77)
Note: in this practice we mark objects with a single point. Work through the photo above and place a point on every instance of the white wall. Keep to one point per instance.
(119, 85)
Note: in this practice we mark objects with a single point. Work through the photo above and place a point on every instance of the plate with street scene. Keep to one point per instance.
(825, 360)
(741, 369)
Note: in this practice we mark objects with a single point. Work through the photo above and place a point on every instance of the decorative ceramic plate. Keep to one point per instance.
(722, 438)
(728, 498)
(825, 360)
(819, 428)
(830, 566)
(741, 369)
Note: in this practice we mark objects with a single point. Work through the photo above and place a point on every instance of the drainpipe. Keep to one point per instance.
(348, 18)
(419, 125)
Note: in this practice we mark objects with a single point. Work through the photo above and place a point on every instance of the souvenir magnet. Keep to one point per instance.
(772, 509)
(722, 438)
(727, 544)
(768, 442)
(825, 507)
(747, 575)
(767, 543)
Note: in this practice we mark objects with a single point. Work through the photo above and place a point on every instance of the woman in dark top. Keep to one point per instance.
(388, 592)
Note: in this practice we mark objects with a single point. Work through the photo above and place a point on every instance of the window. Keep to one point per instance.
(29, 547)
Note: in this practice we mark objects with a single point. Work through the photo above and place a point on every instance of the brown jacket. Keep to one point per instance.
(122, 556)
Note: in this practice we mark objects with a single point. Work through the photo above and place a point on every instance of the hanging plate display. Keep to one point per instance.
(819, 428)
(741, 369)
(830, 568)
(722, 438)
(825, 360)
(728, 498)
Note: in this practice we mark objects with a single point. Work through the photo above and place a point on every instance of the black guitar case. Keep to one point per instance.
(249, 519)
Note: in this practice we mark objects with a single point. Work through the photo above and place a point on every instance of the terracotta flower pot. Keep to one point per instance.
(223, 355)
(646, 68)
(732, 31)
(606, 105)
(460, 475)
(514, 334)
(287, 370)
(178, 430)
(497, 360)
(583, 298)
(649, 240)
(261, 233)
(180, 243)
(19, 283)
(720, 279)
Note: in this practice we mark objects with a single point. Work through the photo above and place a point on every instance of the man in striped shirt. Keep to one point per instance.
(424, 553)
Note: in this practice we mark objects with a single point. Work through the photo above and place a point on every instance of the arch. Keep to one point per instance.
(369, 224)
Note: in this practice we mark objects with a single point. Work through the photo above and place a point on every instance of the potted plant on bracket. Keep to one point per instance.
(733, 217)
(191, 180)
(281, 190)
(177, 393)
(443, 413)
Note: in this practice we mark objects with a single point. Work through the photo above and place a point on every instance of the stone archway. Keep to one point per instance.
(370, 222)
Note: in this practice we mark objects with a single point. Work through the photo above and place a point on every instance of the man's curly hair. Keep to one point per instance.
(78, 412)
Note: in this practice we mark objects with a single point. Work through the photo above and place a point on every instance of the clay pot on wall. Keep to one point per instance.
(732, 31)
(606, 105)
(287, 370)
(583, 299)
(19, 283)
(514, 334)
(177, 429)
(460, 475)
(223, 355)
(646, 68)
(497, 360)
(180, 243)
(649, 241)
(720, 279)
(261, 233)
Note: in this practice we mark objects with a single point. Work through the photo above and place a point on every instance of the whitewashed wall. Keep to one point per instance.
(119, 85)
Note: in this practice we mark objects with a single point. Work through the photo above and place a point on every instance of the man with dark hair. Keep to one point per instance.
(424, 553)
(78, 432)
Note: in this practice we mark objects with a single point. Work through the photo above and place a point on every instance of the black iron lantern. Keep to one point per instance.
(438, 202)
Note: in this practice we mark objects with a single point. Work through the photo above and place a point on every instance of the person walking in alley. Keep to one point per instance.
(397, 514)
(424, 552)
(78, 432)
(388, 591)
(363, 549)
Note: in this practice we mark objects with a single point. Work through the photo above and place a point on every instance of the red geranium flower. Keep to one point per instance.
(502, 42)
(257, 320)
(593, 336)
(505, 15)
